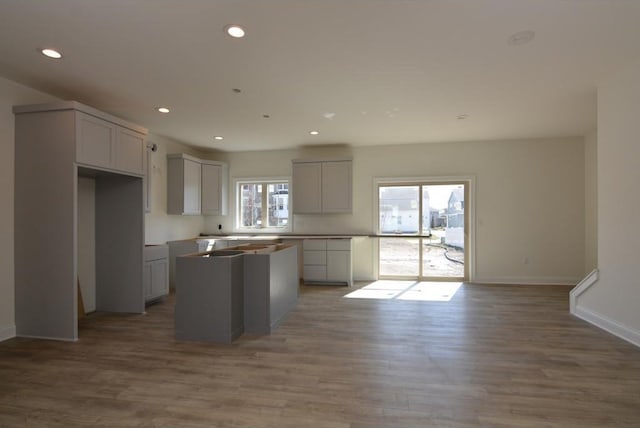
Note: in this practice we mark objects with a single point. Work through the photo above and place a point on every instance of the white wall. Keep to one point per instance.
(612, 302)
(590, 202)
(10, 94)
(530, 201)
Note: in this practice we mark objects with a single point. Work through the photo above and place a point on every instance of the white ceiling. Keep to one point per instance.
(362, 72)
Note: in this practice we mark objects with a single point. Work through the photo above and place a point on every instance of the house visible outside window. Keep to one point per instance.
(262, 205)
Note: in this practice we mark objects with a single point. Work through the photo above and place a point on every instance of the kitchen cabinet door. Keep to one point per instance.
(159, 278)
(307, 188)
(192, 183)
(339, 266)
(106, 145)
(156, 272)
(214, 188)
(336, 187)
(327, 260)
(315, 273)
(96, 141)
(322, 187)
(130, 151)
(184, 181)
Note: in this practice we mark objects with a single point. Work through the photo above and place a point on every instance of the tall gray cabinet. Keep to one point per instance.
(54, 144)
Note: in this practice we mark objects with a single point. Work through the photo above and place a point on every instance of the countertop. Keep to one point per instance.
(259, 237)
(265, 237)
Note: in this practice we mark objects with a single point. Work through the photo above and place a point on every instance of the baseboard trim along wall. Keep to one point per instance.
(60, 339)
(582, 286)
(528, 280)
(609, 325)
(7, 332)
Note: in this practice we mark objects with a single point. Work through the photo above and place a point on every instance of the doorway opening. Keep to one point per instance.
(423, 229)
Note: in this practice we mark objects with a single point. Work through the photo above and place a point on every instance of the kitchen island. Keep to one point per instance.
(221, 294)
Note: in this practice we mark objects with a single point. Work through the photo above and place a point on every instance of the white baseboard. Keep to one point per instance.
(582, 286)
(609, 325)
(60, 339)
(528, 280)
(7, 332)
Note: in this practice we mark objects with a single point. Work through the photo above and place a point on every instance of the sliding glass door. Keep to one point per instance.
(423, 230)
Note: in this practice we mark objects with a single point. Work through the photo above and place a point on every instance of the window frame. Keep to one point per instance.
(470, 208)
(264, 181)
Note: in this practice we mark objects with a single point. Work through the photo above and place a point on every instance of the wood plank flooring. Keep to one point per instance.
(494, 356)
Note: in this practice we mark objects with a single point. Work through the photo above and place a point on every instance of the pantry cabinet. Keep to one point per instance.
(55, 145)
(322, 186)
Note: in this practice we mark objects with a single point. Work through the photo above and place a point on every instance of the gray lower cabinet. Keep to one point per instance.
(327, 261)
(210, 296)
(270, 288)
(156, 272)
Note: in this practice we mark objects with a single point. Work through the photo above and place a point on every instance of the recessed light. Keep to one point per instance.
(521, 38)
(163, 109)
(218, 137)
(235, 31)
(51, 53)
(314, 132)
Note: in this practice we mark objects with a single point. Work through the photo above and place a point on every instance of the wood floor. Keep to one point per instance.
(494, 356)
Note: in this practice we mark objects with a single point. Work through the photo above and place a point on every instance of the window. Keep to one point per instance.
(262, 204)
(424, 224)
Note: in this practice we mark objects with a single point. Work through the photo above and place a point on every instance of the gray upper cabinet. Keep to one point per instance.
(307, 187)
(336, 187)
(184, 183)
(196, 186)
(322, 186)
(96, 141)
(106, 145)
(130, 151)
(214, 188)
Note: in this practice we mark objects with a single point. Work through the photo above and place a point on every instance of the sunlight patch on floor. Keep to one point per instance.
(407, 290)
